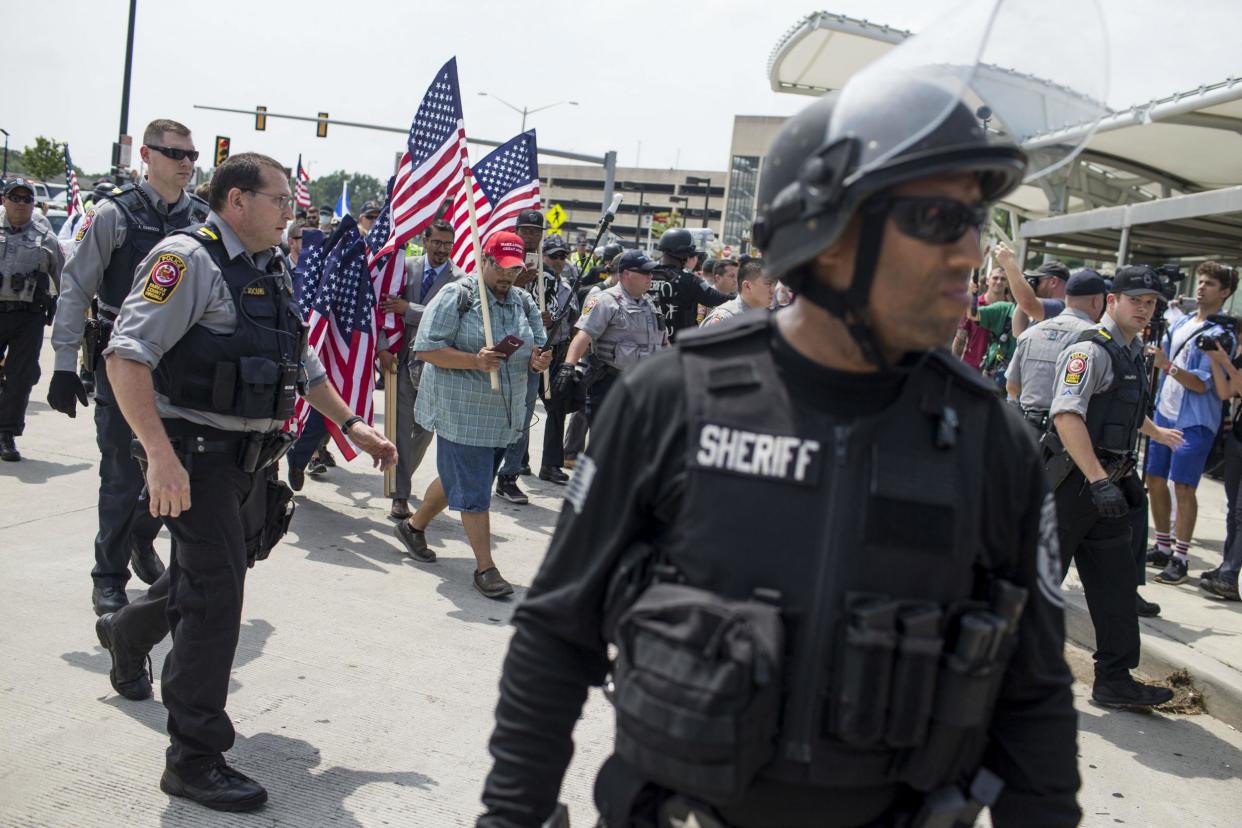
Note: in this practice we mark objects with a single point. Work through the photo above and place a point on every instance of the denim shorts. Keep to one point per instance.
(1185, 465)
(467, 474)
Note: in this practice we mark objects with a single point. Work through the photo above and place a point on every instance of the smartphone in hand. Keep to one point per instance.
(508, 346)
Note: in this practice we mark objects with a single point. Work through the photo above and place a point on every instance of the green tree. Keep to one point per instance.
(326, 189)
(45, 160)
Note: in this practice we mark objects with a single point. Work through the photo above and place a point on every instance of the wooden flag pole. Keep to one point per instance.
(484, 305)
(543, 308)
(390, 427)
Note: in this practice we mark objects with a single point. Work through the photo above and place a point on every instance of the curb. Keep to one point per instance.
(1220, 685)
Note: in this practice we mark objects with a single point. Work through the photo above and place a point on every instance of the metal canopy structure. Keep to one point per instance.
(1204, 225)
(1183, 144)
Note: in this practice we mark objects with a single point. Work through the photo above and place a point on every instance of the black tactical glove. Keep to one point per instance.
(1109, 499)
(65, 387)
(565, 380)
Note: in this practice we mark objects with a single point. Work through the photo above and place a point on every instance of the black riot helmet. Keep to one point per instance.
(813, 182)
(610, 252)
(677, 243)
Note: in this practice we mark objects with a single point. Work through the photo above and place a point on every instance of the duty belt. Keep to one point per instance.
(253, 450)
(1037, 418)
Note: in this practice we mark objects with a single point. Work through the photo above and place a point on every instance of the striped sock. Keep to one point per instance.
(1164, 541)
(1182, 551)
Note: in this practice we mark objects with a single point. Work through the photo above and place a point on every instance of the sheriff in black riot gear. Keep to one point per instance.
(118, 233)
(882, 645)
(674, 287)
(1099, 406)
(208, 353)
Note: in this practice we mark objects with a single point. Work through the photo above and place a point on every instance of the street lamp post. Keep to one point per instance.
(679, 200)
(633, 186)
(707, 186)
(524, 111)
(6, 155)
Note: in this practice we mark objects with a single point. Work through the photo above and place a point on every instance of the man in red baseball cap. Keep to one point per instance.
(474, 424)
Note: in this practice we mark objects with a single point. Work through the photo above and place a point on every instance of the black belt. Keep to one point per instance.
(1036, 417)
(15, 306)
(106, 315)
(200, 439)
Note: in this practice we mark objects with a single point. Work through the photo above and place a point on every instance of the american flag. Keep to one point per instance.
(387, 272)
(309, 267)
(301, 187)
(506, 182)
(73, 198)
(342, 327)
(431, 169)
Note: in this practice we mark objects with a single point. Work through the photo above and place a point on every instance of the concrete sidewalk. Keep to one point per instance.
(1195, 633)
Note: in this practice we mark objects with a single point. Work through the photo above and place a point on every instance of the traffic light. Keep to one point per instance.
(222, 149)
(260, 118)
(321, 129)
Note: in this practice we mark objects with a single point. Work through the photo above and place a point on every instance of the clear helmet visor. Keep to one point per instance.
(1029, 72)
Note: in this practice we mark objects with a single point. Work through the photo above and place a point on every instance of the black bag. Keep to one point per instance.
(278, 514)
(697, 694)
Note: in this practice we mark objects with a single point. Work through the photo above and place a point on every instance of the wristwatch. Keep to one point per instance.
(348, 424)
(1174, 370)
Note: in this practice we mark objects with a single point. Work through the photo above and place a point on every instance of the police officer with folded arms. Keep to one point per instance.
(1099, 407)
(885, 647)
(620, 326)
(208, 354)
(30, 265)
(1032, 370)
(125, 225)
(677, 291)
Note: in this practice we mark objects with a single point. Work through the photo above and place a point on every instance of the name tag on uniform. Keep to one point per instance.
(755, 454)
(254, 290)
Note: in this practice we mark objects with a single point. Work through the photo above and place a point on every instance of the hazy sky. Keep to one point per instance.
(668, 74)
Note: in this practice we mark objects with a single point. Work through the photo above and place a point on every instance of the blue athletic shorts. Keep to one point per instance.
(1185, 465)
(467, 474)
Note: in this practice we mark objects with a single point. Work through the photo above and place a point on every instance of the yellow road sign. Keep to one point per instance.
(556, 216)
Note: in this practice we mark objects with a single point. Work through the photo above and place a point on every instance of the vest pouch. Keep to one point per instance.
(698, 689)
(914, 675)
(257, 388)
(625, 355)
(969, 674)
(864, 670)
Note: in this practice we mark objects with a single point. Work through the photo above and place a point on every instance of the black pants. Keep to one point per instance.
(199, 599)
(598, 391)
(553, 455)
(1101, 550)
(21, 339)
(1233, 515)
(124, 522)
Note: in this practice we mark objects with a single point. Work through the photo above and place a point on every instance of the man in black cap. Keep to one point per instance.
(30, 263)
(366, 219)
(1099, 406)
(1039, 293)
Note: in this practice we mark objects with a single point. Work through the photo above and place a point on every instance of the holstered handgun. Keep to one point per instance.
(1057, 462)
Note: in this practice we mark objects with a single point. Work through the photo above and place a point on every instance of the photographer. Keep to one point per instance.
(1039, 294)
(1187, 400)
(1222, 582)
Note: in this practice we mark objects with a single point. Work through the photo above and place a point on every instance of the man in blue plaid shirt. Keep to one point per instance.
(473, 423)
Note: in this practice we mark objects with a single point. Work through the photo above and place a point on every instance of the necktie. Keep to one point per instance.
(429, 276)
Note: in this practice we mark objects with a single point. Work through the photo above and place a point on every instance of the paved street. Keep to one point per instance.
(364, 684)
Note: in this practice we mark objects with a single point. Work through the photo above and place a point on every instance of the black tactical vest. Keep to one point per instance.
(144, 228)
(1115, 414)
(869, 539)
(253, 372)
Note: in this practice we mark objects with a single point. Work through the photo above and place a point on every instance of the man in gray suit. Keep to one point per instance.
(424, 276)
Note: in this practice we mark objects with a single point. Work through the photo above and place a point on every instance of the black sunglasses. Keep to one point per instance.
(20, 199)
(936, 220)
(175, 153)
(558, 255)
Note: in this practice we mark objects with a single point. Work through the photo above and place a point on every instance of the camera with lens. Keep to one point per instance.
(1170, 277)
(1225, 340)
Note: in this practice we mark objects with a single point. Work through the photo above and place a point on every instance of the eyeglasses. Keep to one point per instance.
(558, 255)
(936, 220)
(440, 245)
(175, 153)
(282, 202)
(20, 199)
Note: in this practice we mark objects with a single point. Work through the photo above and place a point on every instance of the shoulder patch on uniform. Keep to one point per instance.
(590, 304)
(87, 221)
(164, 277)
(1076, 368)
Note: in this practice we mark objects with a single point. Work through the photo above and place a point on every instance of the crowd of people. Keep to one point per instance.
(193, 315)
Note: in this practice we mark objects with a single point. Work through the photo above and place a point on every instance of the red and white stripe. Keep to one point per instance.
(419, 192)
(349, 366)
(491, 219)
(388, 279)
(301, 192)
